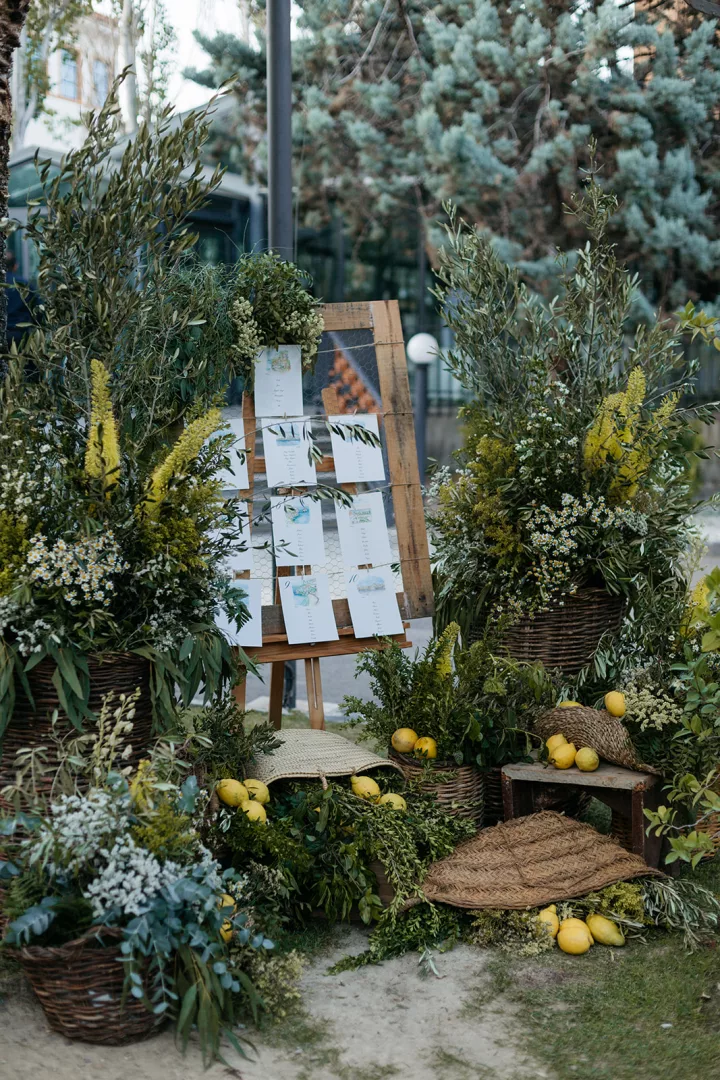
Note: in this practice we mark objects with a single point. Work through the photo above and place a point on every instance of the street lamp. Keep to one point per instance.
(422, 350)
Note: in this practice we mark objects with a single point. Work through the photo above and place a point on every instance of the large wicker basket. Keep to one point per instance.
(80, 987)
(494, 810)
(462, 793)
(122, 673)
(567, 637)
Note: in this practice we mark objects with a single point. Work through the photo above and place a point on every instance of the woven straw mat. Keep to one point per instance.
(596, 728)
(530, 861)
(308, 753)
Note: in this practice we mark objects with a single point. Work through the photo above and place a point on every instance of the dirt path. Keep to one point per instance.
(379, 1022)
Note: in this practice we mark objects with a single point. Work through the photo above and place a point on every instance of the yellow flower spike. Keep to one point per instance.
(102, 452)
(185, 450)
(445, 646)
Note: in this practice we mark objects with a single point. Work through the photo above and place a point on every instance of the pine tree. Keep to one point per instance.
(402, 104)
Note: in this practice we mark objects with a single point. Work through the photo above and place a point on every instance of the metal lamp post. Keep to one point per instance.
(422, 350)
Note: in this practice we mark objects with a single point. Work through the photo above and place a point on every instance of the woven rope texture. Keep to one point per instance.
(80, 988)
(528, 862)
(592, 727)
(460, 789)
(309, 753)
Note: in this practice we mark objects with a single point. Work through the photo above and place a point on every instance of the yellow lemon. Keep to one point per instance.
(254, 810)
(572, 940)
(563, 756)
(226, 931)
(396, 801)
(365, 787)
(258, 791)
(403, 740)
(580, 926)
(549, 919)
(225, 900)
(615, 703)
(605, 931)
(231, 792)
(587, 759)
(425, 747)
(554, 741)
(569, 705)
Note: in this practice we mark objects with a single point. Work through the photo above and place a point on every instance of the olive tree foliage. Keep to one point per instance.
(403, 104)
(116, 278)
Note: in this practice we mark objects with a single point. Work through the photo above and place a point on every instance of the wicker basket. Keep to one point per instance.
(710, 823)
(494, 809)
(465, 788)
(566, 637)
(80, 988)
(122, 673)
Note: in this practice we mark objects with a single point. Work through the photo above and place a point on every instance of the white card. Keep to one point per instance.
(278, 381)
(287, 443)
(236, 477)
(373, 603)
(363, 531)
(297, 530)
(250, 633)
(356, 460)
(307, 609)
(239, 554)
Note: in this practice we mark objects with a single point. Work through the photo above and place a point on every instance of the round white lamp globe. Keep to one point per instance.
(422, 348)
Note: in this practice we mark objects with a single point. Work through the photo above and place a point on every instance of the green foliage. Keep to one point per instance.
(399, 105)
(520, 932)
(424, 928)
(226, 747)
(575, 465)
(477, 710)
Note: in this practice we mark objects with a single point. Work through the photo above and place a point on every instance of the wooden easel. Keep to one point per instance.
(382, 318)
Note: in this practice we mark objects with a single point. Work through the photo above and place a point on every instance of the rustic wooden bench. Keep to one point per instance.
(627, 793)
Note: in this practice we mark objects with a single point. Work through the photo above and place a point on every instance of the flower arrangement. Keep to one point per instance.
(114, 847)
(118, 551)
(575, 469)
(270, 305)
(475, 705)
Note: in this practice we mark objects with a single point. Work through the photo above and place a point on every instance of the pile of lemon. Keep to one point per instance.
(252, 796)
(563, 754)
(576, 936)
(406, 741)
(367, 788)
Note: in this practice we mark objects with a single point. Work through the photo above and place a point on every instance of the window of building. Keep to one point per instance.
(69, 75)
(101, 81)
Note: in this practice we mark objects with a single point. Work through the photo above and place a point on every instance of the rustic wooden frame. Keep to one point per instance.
(382, 317)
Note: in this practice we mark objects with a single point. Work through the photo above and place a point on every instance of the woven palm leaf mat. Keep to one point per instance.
(596, 728)
(531, 861)
(308, 753)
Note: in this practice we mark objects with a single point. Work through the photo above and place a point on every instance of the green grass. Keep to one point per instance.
(601, 1016)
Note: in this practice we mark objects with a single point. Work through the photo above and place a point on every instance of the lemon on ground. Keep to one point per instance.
(231, 792)
(615, 703)
(554, 741)
(549, 919)
(258, 791)
(580, 926)
(226, 930)
(563, 756)
(572, 940)
(425, 747)
(365, 787)
(396, 801)
(569, 705)
(254, 810)
(587, 759)
(403, 740)
(605, 931)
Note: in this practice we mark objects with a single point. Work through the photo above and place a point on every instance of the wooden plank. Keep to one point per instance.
(313, 682)
(344, 646)
(351, 316)
(605, 776)
(402, 460)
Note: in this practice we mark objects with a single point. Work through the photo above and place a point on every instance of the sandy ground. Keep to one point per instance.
(378, 1022)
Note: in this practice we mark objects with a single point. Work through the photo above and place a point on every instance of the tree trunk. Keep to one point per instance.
(12, 20)
(127, 57)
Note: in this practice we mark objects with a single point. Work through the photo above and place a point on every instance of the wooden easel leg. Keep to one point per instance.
(313, 682)
(277, 686)
(239, 692)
